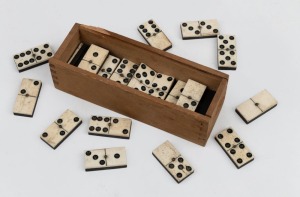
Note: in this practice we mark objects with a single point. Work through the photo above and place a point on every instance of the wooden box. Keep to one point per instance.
(169, 117)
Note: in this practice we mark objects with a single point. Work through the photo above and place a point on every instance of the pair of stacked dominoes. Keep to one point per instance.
(208, 29)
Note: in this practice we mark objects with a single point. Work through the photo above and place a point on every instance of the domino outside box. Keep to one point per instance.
(189, 125)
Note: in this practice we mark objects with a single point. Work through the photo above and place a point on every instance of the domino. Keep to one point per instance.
(190, 30)
(175, 93)
(90, 67)
(161, 85)
(33, 57)
(173, 161)
(27, 97)
(227, 60)
(157, 93)
(154, 36)
(60, 129)
(78, 54)
(109, 66)
(110, 127)
(199, 29)
(103, 159)
(191, 95)
(226, 42)
(124, 72)
(96, 55)
(136, 84)
(256, 106)
(209, 28)
(234, 147)
(145, 74)
(187, 103)
(227, 52)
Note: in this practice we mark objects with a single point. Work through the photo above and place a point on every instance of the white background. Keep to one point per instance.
(268, 57)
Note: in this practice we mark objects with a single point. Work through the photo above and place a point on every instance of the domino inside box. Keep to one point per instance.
(193, 126)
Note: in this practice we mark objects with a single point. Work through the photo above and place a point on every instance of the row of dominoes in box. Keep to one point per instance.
(141, 77)
(227, 57)
(184, 94)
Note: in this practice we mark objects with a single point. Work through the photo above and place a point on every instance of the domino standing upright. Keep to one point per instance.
(234, 147)
(110, 127)
(33, 57)
(256, 106)
(191, 95)
(227, 52)
(103, 159)
(154, 35)
(93, 59)
(60, 129)
(199, 29)
(27, 97)
(173, 161)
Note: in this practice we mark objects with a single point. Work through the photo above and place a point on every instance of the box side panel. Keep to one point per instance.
(132, 103)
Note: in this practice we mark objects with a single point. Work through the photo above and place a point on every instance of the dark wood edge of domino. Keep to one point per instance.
(237, 111)
(96, 169)
(224, 68)
(69, 133)
(37, 99)
(231, 158)
(154, 47)
(112, 136)
(169, 172)
(39, 64)
(80, 54)
(191, 38)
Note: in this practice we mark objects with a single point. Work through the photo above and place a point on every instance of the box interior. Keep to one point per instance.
(170, 66)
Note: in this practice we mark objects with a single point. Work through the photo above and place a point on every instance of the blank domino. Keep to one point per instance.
(60, 129)
(103, 159)
(33, 57)
(172, 161)
(110, 127)
(234, 147)
(256, 106)
(27, 97)
(154, 35)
